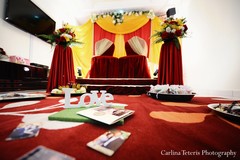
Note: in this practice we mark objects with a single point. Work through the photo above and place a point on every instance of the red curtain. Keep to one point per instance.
(100, 33)
(143, 32)
(134, 67)
(170, 64)
(62, 68)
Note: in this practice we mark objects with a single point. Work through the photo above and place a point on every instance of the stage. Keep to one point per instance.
(121, 86)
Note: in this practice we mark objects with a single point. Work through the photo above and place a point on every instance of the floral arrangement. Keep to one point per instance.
(119, 16)
(172, 29)
(76, 88)
(64, 36)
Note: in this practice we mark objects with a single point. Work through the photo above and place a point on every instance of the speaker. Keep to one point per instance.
(156, 72)
(171, 12)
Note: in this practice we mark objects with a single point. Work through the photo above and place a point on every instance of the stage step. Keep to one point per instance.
(133, 86)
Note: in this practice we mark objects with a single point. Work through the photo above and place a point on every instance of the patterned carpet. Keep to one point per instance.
(159, 130)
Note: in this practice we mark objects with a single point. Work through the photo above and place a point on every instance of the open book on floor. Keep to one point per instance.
(106, 114)
(109, 142)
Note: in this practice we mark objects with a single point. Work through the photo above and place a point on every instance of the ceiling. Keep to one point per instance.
(77, 12)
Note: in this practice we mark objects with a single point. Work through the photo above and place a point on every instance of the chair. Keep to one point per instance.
(104, 65)
(135, 64)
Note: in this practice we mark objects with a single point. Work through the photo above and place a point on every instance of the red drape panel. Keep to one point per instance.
(62, 68)
(104, 67)
(143, 32)
(170, 64)
(100, 33)
(134, 66)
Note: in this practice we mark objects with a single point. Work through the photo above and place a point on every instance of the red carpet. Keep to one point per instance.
(159, 130)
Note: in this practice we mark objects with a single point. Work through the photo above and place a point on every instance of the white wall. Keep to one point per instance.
(17, 42)
(211, 52)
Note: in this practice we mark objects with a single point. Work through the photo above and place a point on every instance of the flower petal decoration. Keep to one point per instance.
(118, 17)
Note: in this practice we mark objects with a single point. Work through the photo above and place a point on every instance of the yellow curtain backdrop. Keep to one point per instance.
(154, 50)
(131, 23)
(83, 54)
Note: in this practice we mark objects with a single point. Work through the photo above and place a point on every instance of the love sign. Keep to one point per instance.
(94, 99)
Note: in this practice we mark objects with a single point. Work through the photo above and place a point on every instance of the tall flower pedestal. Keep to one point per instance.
(62, 68)
(170, 64)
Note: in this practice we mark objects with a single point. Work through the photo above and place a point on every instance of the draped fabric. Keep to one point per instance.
(138, 45)
(109, 51)
(170, 64)
(143, 32)
(129, 50)
(62, 68)
(104, 67)
(154, 49)
(88, 33)
(82, 55)
(133, 26)
(134, 66)
(130, 24)
(100, 34)
(102, 46)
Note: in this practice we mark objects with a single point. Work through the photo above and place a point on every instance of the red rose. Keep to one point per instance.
(62, 39)
(72, 34)
(62, 30)
(172, 22)
(164, 35)
(178, 32)
(185, 27)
